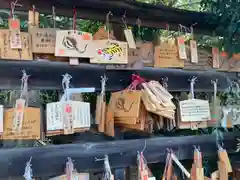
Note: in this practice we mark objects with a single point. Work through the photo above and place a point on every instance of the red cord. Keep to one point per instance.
(74, 19)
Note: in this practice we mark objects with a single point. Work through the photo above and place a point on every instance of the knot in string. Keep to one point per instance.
(165, 82)
(28, 171)
(103, 84)
(108, 173)
(14, 4)
(136, 80)
(192, 82)
(66, 83)
(69, 168)
(24, 84)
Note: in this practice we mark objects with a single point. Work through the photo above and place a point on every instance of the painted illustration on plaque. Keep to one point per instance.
(110, 52)
(70, 43)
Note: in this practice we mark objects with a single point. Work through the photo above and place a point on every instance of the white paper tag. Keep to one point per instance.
(68, 115)
(54, 116)
(68, 118)
(81, 114)
(194, 110)
(1, 119)
(130, 39)
(15, 40)
(73, 61)
(18, 115)
(194, 53)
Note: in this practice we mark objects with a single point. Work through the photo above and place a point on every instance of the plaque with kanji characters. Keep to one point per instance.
(43, 40)
(31, 125)
(166, 56)
(25, 53)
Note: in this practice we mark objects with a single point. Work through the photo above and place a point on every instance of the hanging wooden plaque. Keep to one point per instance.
(194, 53)
(181, 48)
(43, 40)
(215, 58)
(138, 58)
(130, 39)
(101, 34)
(229, 64)
(25, 53)
(166, 56)
(126, 103)
(147, 54)
(204, 60)
(76, 113)
(33, 19)
(230, 116)
(30, 126)
(194, 110)
(70, 43)
(109, 52)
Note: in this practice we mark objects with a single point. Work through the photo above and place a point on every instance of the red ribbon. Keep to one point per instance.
(74, 19)
(136, 80)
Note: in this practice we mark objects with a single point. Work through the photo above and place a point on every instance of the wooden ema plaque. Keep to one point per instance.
(193, 114)
(166, 56)
(25, 53)
(129, 111)
(204, 60)
(229, 115)
(70, 43)
(229, 64)
(30, 127)
(109, 52)
(101, 34)
(78, 113)
(194, 110)
(43, 40)
(138, 58)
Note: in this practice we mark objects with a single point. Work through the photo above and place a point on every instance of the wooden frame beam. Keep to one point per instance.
(50, 160)
(150, 15)
(46, 75)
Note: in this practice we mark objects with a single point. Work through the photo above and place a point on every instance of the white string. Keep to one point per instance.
(69, 168)
(214, 89)
(13, 6)
(28, 171)
(192, 82)
(24, 85)
(165, 82)
(103, 84)
(108, 173)
(108, 24)
(54, 17)
(66, 84)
